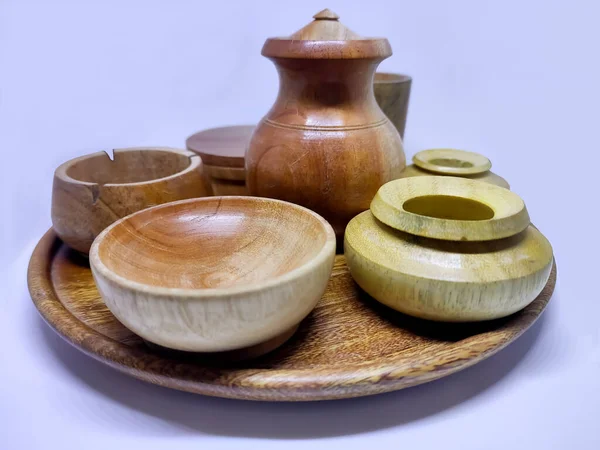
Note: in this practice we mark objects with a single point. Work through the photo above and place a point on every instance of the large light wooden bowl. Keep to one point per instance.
(215, 274)
(92, 191)
(448, 249)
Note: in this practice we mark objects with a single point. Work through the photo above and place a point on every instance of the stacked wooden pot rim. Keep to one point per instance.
(454, 163)
(222, 151)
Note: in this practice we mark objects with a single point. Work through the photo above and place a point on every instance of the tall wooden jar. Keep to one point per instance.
(325, 144)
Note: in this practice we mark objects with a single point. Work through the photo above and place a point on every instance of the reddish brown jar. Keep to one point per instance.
(325, 144)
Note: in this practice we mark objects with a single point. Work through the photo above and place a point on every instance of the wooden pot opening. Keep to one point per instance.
(133, 166)
(448, 207)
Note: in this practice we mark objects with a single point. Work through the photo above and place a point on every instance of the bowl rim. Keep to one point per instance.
(194, 162)
(326, 251)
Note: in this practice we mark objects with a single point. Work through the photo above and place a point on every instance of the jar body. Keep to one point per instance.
(325, 144)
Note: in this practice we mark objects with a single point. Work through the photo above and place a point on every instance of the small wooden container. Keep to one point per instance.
(453, 163)
(217, 274)
(222, 151)
(392, 92)
(92, 191)
(448, 249)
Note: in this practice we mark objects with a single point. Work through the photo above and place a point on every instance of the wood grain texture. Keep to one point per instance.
(214, 274)
(392, 92)
(348, 346)
(91, 192)
(325, 144)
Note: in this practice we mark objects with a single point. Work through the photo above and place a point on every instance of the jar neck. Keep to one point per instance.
(330, 91)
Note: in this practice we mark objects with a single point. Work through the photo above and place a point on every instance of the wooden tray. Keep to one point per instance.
(349, 346)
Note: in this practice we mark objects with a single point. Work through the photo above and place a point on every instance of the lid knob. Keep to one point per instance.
(326, 14)
(325, 27)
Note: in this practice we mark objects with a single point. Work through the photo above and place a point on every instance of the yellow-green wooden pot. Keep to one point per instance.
(448, 249)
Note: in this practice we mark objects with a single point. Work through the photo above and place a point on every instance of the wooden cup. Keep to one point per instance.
(392, 92)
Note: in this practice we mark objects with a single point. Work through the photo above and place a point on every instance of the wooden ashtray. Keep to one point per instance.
(216, 274)
(92, 191)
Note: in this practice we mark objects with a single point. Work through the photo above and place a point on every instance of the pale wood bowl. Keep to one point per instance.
(215, 274)
(92, 191)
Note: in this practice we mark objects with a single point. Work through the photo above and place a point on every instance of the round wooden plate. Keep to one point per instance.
(349, 346)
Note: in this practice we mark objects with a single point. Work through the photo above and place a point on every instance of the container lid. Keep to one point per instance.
(224, 146)
(326, 38)
(450, 208)
(449, 161)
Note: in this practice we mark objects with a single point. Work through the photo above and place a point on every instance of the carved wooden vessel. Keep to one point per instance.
(325, 144)
(448, 249)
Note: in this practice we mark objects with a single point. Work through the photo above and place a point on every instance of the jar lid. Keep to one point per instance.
(450, 208)
(449, 161)
(326, 38)
(223, 146)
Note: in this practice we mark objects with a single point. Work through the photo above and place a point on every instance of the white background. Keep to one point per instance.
(516, 80)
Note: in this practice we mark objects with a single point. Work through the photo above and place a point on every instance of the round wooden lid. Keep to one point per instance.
(326, 38)
(223, 146)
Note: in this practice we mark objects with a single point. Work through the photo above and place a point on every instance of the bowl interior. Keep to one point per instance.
(213, 242)
(128, 166)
